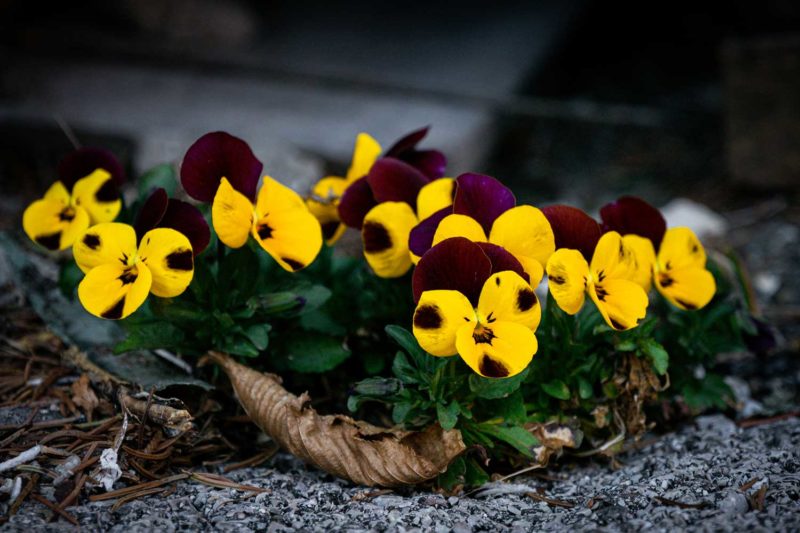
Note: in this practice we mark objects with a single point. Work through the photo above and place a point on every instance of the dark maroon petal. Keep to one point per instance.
(454, 264)
(152, 212)
(502, 260)
(407, 143)
(187, 219)
(217, 155)
(84, 161)
(573, 228)
(392, 180)
(432, 163)
(630, 214)
(421, 237)
(482, 198)
(355, 203)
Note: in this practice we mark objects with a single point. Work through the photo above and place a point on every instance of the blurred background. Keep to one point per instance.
(568, 100)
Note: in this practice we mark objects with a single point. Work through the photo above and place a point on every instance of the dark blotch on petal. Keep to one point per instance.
(482, 198)
(91, 241)
(600, 292)
(51, 241)
(616, 325)
(492, 368)
(558, 280)
(128, 277)
(355, 203)
(376, 238)
(687, 305)
(428, 317)
(84, 161)
(293, 263)
(573, 229)
(264, 232)
(67, 215)
(665, 280)
(632, 215)
(180, 260)
(526, 299)
(108, 192)
(115, 312)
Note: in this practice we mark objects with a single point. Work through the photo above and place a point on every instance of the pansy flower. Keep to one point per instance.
(326, 193)
(607, 280)
(473, 299)
(160, 211)
(484, 210)
(679, 269)
(86, 193)
(221, 169)
(121, 273)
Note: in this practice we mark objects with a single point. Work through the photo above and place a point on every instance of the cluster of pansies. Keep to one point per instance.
(477, 255)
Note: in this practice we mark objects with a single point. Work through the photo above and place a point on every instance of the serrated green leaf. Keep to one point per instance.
(557, 389)
(448, 414)
(657, 354)
(493, 388)
(517, 437)
(163, 176)
(314, 353)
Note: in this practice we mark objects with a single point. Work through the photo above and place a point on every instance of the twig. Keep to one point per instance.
(24, 494)
(682, 505)
(550, 501)
(130, 490)
(368, 495)
(174, 359)
(752, 422)
(144, 417)
(130, 497)
(43, 424)
(252, 461)
(222, 482)
(50, 505)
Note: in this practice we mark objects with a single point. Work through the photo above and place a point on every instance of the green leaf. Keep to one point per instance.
(377, 387)
(150, 336)
(627, 345)
(493, 388)
(474, 474)
(409, 343)
(511, 408)
(296, 301)
(516, 436)
(237, 277)
(69, 276)
(404, 370)
(401, 411)
(448, 414)
(321, 322)
(453, 476)
(557, 389)
(239, 344)
(259, 335)
(314, 353)
(657, 354)
(163, 176)
(585, 389)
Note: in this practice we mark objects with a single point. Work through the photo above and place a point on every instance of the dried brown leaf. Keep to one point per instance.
(84, 397)
(354, 450)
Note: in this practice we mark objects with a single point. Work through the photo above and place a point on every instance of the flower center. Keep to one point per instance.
(67, 214)
(483, 335)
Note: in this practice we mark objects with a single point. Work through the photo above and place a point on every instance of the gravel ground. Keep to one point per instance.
(688, 480)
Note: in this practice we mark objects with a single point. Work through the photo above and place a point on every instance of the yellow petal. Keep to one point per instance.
(365, 152)
(498, 350)
(323, 204)
(567, 272)
(680, 249)
(459, 226)
(533, 268)
(109, 242)
(688, 288)
(525, 232)
(385, 236)
(53, 224)
(508, 298)
(434, 196)
(644, 257)
(168, 255)
(58, 193)
(612, 259)
(231, 215)
(437, 319)
(286, 229)
(621, 302)
(114, 290)
(98, 194)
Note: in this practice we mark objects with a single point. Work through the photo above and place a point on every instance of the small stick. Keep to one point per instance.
(550, 501)
(50, 505)
(143, 421)
(24, 457)
(130, 497)
(24, 494)
(129, 490)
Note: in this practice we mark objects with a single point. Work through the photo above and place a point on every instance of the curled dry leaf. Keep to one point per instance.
(353, 450)
(84, 397)
(554, 437)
